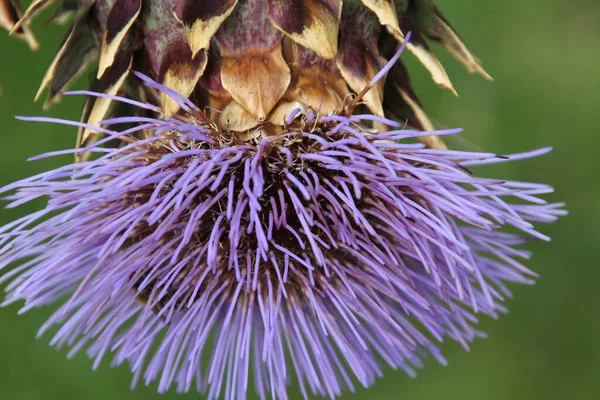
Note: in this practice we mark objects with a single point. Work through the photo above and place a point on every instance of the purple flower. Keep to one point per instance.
(314, 254)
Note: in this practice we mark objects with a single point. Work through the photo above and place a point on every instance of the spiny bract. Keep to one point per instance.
(205, 258)
(254, 60)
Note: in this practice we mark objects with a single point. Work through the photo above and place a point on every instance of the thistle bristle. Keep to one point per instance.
(324, 249)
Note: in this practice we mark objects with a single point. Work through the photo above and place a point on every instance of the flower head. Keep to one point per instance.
(314, 253)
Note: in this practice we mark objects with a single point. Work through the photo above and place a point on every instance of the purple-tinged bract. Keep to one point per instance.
(313, 254)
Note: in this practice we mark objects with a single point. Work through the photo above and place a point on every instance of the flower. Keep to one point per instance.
(314, 253)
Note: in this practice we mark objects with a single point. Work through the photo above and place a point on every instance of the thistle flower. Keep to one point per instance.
(313, 254)
(255, 60)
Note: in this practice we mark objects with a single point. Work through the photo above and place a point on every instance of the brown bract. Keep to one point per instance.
(247, 62)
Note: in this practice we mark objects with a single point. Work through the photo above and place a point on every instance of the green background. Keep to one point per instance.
(545, 58)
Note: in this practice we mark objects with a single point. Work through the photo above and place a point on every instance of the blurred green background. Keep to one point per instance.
(545, 58)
